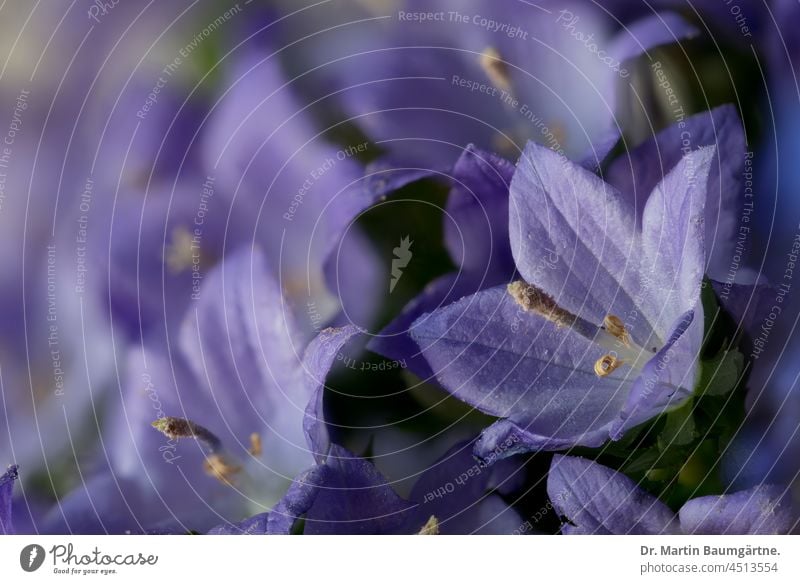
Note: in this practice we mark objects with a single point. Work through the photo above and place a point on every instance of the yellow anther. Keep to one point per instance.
(182, 251)
(615, 326)
(495, 68)
(606, 365)
(431, 527)
(255, 444)
(216, 466)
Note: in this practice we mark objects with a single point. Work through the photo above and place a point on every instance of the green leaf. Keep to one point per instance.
(721, 374)
(679, 429)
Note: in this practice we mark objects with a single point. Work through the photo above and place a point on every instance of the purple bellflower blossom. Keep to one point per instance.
(289, 185)
(595, 499)
(603, 337)
(479, 203)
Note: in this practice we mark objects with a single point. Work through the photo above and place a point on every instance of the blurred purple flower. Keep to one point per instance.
(493, 73)
(241, 367)
(347, 495)
(595, 499)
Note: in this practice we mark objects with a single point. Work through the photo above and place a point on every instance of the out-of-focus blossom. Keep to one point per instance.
(426, 79)
(347, 495)
(595, 499)
(241, 370)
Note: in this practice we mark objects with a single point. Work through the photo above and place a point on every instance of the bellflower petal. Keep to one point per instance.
(320, 356)
(598, 500)
(241, 337)
(595, 499)
(573, 236)
(281, 173)
(487, 352)
(238, 371)
(764, 509)
(638, 173)
(347, 495)
(7, 480)
(417, 85)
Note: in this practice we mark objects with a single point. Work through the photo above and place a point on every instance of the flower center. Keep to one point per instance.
(612, 336)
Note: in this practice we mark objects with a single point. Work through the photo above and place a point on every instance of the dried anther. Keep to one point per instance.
(495, 68)
(255, 444)
(431, 527)
(615, 326)
(534, 300)
(176, 428)
(606, 365)
(218, 467)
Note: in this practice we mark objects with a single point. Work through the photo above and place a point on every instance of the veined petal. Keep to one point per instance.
(487, 351)
(573, 236)
(638, 173)
(346, 495)
(476, 225)
(667, 379)
(762, 510)
(598, 500)
(673, 241)
(319, 358)
(505, 438)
